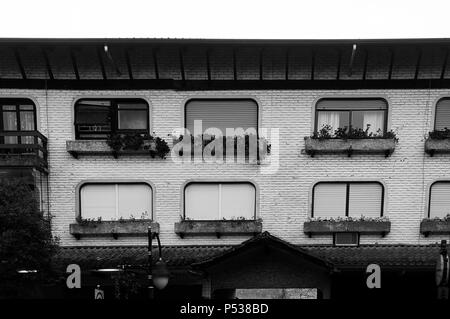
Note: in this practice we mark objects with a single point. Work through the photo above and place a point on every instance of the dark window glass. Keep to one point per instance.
(17, 115)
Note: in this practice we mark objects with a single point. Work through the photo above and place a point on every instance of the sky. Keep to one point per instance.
(227, 19)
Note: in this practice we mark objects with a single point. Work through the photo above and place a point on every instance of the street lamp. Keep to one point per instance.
(158, 276)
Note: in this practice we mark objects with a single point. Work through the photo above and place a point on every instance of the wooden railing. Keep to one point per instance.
(17, 144)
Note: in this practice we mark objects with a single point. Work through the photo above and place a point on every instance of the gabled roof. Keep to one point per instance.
(263, 239)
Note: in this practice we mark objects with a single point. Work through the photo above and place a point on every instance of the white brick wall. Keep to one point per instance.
(284, 196)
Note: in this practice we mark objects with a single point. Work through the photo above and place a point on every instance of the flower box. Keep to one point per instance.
(218, 227)
(434, 226)
(113, 228)
(100, 147)
(363, 227)
(384, 146)
(433, 146)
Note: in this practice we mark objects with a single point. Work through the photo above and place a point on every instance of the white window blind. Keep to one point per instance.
(211, 201)
(330, 200)
(115, 201)
(440, 199)
(222, 114)
(365, 199)
(442, 114)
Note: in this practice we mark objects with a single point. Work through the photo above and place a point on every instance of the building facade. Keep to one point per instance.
(237, 228)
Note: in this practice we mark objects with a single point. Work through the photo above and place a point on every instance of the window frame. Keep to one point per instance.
(358, 235)
(114, 114)
(347, 193)
(430, 191)
(435, 110)
(17, 102)
(83, 184)
(222, 99)
(220, 182)
(350, 112)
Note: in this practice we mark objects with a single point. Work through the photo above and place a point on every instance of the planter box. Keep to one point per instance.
(218, 227)
(430, 226)
(437, 146)
(384, 146)
(113, 228)
(363, 227)
(100, 147)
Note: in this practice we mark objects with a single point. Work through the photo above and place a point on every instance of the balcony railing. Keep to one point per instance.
(23, 149)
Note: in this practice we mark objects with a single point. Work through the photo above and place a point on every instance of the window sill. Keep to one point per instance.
(437, 146)
(99, 148)
(330, 227)
(384, 146)
(434, 226)
(218, 227)
(113, 228)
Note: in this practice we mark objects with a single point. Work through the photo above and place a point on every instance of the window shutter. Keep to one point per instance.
(134, 200)
(442, 115)
(440, 199)
(222, 114)
(238, 200)
(351, 104)
(365, 199)
(98, 201)
(202, 201)
(330, 200)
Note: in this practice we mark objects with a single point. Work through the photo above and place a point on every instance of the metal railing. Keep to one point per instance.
(20, 143)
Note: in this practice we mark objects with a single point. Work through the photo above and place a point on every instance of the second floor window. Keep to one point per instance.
(439, 200)
(353, 199)
(363, 114)
(17, 115)
(442, 115)
(97, 118)
(218, 201)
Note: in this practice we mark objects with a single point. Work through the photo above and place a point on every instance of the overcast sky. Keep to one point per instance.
(261, 19)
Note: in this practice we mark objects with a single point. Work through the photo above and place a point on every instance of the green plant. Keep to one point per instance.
(126, 284)
(349, 219)
(115, 141)
(446, 218)
(132, 141)
(26, 242)
(440, 134)
(352, 133)
(155, 145)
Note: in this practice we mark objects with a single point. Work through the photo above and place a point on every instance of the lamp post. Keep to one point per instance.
(158, 276)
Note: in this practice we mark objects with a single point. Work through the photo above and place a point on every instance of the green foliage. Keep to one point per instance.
(155, 145)
(440, 134)
(26, 242)
(352, 133)
(126, 284)
(362, 218)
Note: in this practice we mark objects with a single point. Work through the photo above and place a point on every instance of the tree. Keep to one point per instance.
(26, 241)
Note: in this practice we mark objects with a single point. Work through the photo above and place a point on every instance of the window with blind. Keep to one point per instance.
(439, 199)
(221, 114)
(17, 115)
(353, 199)
(442, 115)
(114, 201)
(352, 113)
(97, 118)
(217, 201)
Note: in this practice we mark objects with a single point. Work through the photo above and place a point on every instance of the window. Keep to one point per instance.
(17, 115)
(442, 114)
(216, 201)
(222, 114)
(113, 201)
(352, 113)
(97, 118)
(340, 199)
(346, 239)
(439, 199)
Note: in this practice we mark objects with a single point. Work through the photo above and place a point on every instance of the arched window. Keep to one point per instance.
(97, 118)
(439, 199)
(442, 114)
(217, 201)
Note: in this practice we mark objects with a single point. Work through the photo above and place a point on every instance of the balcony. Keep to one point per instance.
(218, 227)
(343, 226)
(385, 146)
(113, 228)
(23, 149)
